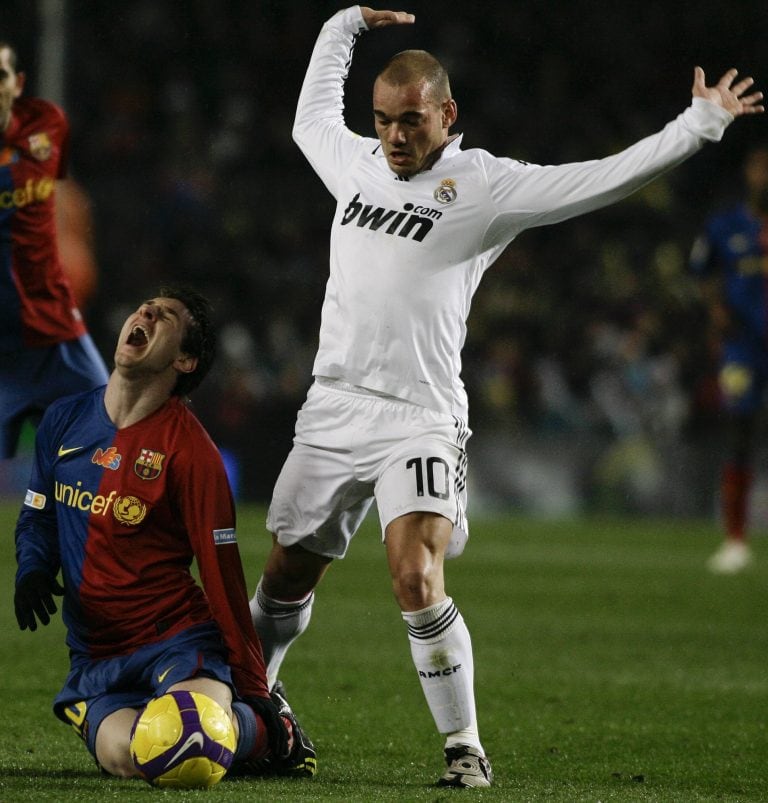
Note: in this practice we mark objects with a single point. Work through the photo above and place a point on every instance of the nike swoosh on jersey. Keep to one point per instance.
(192, 740)
(161, 677)
(63, 451)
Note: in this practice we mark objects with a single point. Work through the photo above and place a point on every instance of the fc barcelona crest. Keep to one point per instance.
(149, 464)
(40, 146)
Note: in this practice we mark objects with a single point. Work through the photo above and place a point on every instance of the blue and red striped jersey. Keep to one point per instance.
(35, 297)
(123, 513)
(734, 249)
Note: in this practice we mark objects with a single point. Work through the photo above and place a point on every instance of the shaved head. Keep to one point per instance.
(415, 67)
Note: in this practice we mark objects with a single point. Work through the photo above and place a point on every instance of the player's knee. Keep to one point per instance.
(415, 587)
(117, 762)
(113, 744)
(416, 564)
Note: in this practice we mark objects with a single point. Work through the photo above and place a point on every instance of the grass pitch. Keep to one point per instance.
(610, 666)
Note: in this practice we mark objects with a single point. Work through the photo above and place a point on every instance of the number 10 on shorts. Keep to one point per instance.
(432, 473)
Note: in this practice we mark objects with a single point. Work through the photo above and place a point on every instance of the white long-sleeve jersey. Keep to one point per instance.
(408, 254)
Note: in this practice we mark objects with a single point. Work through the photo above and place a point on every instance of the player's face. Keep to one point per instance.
(11, 84)
(411, 125)
(150, 340)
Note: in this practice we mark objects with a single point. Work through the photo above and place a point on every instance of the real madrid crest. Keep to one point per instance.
(446, 192)
(40, 146)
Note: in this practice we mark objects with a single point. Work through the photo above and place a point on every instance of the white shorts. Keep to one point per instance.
(352, 446)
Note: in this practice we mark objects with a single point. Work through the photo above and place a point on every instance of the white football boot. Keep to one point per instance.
(467, 767)
(732, 557)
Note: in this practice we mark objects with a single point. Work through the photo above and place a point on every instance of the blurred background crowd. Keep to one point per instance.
(589, 363)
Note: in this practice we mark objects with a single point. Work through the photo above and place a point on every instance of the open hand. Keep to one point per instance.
(378, 19)
(728, 94)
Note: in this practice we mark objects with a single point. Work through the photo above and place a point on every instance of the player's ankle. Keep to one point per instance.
(289, 727)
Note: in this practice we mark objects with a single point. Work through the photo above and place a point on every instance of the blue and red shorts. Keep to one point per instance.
(94, 689)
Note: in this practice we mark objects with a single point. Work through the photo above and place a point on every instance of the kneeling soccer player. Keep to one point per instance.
(126, 489)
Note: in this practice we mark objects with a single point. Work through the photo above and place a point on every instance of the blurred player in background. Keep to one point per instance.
(74, 226)
(731, 258)
(126, 490)
(45, 351)
(418, 221)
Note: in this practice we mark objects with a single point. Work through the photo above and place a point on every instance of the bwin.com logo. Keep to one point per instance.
(414, 221)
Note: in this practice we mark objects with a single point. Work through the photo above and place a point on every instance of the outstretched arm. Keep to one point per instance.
(319, 128)
(727, 94)
(378, 19)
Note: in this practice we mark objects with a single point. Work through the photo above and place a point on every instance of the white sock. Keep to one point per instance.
(442, 654)
(278, 624)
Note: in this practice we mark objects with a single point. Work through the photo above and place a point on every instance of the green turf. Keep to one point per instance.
(609, 667)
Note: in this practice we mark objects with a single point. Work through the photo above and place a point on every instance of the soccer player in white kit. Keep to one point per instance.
(418, 221)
